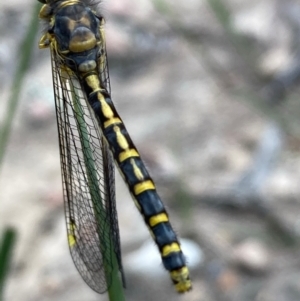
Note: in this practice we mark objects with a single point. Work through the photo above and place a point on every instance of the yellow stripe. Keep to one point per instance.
(172, 248)
(128, 153)
(121, 139)
(105, 107)
(93, 82)
(157, 219)
(67, 3)
(137, 172)
(181, 279)
(45, 12)
(141, 187)
(183, 287)
(112, 121)
(180, 275)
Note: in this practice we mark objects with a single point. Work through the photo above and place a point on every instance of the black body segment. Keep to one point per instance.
(92, 135)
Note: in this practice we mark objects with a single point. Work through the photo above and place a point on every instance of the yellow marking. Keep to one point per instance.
(172, 248)
(112, 121)
(102, 32)
(180, 275)
(183, 287)
(72, 24)
(45, 41)
(53, 47)
(128, 153)
(86, 40)
(67, 3)
(137, 172)
(157, 219)
(121, 139)
(106, 109)
(85, 21)
(93, 82)
(181, 279)
(71, 237)
(102, 64)
(45, 12)
(64, 52)
(71, 240)
(141, 187)
(102, 60)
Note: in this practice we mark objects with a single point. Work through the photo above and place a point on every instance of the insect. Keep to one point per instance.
(92, 138)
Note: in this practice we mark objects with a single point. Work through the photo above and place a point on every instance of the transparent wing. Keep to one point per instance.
(88, 181)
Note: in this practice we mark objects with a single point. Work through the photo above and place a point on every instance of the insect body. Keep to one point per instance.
(92, 135)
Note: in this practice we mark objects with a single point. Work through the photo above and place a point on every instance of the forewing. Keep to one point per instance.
(88, 182)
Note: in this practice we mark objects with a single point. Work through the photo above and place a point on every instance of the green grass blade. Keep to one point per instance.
(115, 291)
(6, 250)
(26, 49)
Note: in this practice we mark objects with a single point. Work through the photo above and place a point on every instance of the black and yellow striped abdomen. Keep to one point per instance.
(139, 182)
(76, 38)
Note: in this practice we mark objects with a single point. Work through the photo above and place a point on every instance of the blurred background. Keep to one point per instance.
(209, 93)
